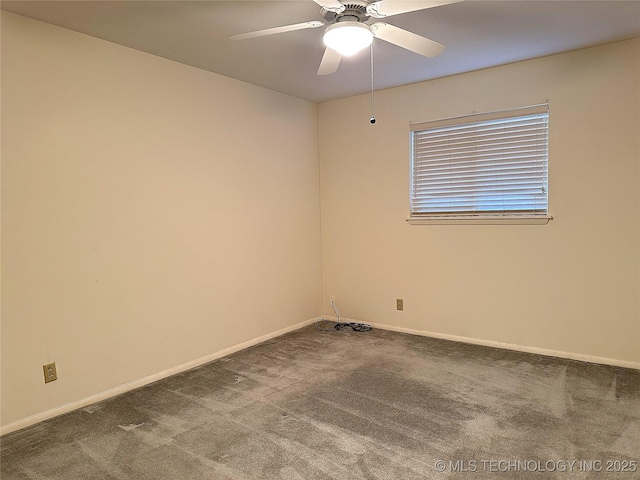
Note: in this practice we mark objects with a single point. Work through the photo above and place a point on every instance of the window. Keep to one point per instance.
(486, 168)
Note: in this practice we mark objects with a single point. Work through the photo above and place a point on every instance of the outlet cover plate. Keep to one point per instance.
(50, 373)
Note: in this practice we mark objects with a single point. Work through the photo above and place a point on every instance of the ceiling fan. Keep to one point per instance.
(349, 30)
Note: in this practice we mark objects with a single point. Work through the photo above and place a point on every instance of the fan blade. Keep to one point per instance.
(331, 5)
(273, 31)
(406, 39)
(386, 8)
(330, 62)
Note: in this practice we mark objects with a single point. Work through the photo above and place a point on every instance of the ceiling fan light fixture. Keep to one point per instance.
(348, 38)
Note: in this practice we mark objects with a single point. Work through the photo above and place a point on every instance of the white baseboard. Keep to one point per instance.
(25, 422)
(506, 346)
(112, 392)
(510, 346)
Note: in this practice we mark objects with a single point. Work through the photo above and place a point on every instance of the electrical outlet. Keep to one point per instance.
(399, 304)
(50, 373)
(332, 299)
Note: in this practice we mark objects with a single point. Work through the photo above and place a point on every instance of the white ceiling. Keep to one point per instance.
(478, 34)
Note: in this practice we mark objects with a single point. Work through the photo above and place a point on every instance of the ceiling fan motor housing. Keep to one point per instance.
(354, 11)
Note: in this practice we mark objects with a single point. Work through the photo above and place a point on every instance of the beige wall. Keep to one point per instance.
(571, 286)
(152, 214)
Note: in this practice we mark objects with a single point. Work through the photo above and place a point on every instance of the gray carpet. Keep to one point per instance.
(345, 405)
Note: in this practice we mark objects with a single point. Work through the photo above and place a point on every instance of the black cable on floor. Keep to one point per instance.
(355, 326)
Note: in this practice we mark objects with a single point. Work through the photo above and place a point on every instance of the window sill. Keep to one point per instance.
(481, 220)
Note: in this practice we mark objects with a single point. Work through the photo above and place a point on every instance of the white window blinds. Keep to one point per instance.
(488, 164)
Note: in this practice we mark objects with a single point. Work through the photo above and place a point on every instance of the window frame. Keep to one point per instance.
(478, 217)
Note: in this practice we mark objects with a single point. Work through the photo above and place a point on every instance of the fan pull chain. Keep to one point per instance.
(372, 120)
